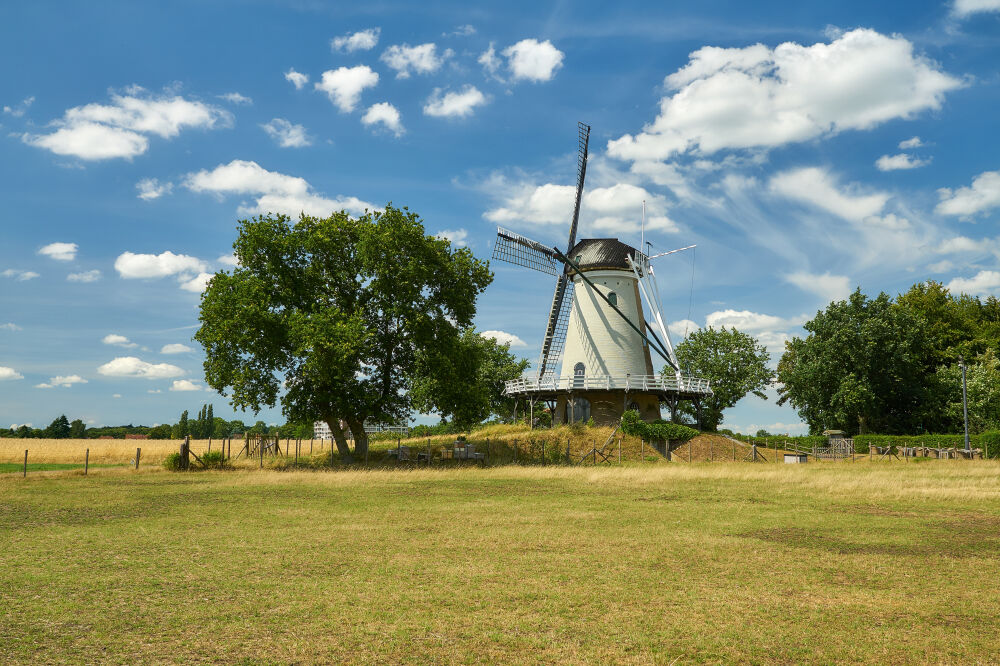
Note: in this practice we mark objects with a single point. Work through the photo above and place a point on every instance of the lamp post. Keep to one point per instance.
(965, 404)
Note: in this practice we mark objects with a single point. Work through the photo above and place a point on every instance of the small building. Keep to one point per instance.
(796, 458)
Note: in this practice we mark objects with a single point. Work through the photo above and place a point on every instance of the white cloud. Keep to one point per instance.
(287, 134)
(912, 142)
(184, 385)
(275, 192)
(420, 59)
(900, 161)
(942, 266)
(681, 328)
(769, 330)
(504, 338)
(60, 251)
(228, 260)
(614, 209)
(964, 8)
(456, 236)
(154, 391)
(758, 97)
(985, 283)
(344, 85)
(118, 340)
(151, 188)
(175, 348)
(964, 245)
(84, 276)
(532, 60)
(236, 98)
(67, 380)
(818, 187)
(490, 61)
(364, 40)
(10, 326)
(132, 266)
(130, 366)
(461, 31)
(120, 129)
(116, 395)
(19, 275)
(21, 108)
(827, 286)
(983, 195)
(454, 104)
(9, 374)
(297, 79)
(385, 114)
(198, 283)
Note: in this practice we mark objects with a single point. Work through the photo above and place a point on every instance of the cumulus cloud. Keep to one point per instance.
(505, 338)
(420, 59)
(19, 275)
(67, 380)
(454, 104)
(287, 134)
(681, 328)
(20, 109)
(84, 276)
(384, 114)
(297, 79)
(60, 251)
(228, 260)
(130, 366)
(532, 60)
(275, 192)
(984, 283)
(364, 40)
(964, 8)
(151, 188)
(9, 374)
(175, 348)
(818, 187)
(912, 142)
(118, 340)
(458, 237)
(758, 97)
(983, 195)
(616, 209)
(121, 129)
(197, 284)
(132, 266)
(900, 161)
(461, 31)
(236, 98)
(490, 61)
(344, 85)
(184, 385)
(769, 330)
(827, 286)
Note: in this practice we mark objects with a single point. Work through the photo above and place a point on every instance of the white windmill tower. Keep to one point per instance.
(597, 327)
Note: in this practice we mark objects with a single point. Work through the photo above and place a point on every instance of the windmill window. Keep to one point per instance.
(579, 258)
(579, 371)
(613, 298)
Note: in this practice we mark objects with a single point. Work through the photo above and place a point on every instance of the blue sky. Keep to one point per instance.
(807, 148)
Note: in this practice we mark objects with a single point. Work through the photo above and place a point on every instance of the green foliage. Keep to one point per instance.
(59, 428)
(442, 428)
(213, 460)
(874, 365)
(77, 429)
(172, 462)
(990, 443)
(162, 431)
(659, 430)
(735, 363)
(342, 312)
(182, 428)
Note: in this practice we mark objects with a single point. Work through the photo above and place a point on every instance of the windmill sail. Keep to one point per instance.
(520, 251)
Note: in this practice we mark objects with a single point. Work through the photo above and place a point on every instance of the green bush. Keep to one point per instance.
(173, 462)
(658, 430)
(990, 443)
(213, 460)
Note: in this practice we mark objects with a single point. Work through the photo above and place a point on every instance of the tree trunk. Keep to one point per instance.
(360, 436)
(338, 437)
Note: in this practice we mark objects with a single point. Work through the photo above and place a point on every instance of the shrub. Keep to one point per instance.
(658, 430)
(213, 459)
(990, 443)
(173, 462)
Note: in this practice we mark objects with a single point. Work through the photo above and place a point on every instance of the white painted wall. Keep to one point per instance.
(597, 336)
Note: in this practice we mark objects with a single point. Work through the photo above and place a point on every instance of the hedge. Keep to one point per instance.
(657, 431)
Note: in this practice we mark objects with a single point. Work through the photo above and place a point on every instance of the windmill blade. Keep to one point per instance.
(555, 330)
(583, 141)
(520, 251)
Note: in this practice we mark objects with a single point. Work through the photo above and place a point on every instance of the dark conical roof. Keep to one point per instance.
(601, 253)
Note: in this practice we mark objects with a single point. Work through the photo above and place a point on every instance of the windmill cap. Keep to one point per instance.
(601, 253)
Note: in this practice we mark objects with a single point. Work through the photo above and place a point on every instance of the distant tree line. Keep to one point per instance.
(893, 366)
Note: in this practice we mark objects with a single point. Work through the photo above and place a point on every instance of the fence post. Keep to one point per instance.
(86, 462)
(261, 447)
(186, 452)
(138, 452)
(209, 444)
(25, 474)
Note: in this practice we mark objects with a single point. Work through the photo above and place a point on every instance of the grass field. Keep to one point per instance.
(667, 563)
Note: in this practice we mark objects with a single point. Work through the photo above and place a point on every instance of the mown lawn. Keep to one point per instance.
(8, 468)
(666, 564)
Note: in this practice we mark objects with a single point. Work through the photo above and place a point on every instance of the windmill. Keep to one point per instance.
(596, 329)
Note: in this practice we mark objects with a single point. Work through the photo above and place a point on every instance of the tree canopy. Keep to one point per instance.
(339, 318)
(892, 366)
(735, 363)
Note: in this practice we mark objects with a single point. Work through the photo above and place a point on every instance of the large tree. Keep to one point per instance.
(735, 363)
(862, 368)
(332, 317)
